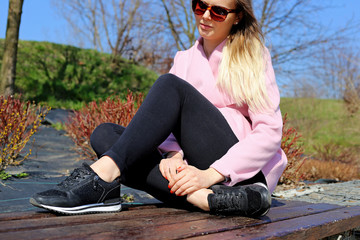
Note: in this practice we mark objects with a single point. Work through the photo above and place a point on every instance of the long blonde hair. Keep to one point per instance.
(242, 68)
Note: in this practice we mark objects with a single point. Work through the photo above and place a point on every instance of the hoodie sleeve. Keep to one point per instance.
(251, 154)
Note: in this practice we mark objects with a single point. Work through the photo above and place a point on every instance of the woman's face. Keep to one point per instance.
(214, 31)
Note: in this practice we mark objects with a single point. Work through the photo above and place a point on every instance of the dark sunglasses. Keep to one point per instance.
(217, 13)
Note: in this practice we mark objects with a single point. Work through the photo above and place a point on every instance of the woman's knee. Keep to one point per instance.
(104, 136)
(99, 132)
(169, 80)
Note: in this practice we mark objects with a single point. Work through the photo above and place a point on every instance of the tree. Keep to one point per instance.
(180, 21)
(339, 70)
(8, 67)
(106, 26)
(125, 28)
(294, 33)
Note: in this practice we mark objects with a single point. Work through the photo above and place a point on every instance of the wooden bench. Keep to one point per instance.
(286, 220)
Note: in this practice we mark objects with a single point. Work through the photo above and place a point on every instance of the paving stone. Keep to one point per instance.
(343, 193)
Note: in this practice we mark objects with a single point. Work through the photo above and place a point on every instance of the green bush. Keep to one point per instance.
(66, 76)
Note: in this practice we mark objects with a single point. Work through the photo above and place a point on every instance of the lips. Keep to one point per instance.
(205, 27)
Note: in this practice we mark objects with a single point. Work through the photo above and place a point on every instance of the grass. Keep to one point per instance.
(323, 121)
(330, 135)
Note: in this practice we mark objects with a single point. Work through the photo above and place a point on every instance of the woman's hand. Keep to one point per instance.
(190, 179)
(168, 166)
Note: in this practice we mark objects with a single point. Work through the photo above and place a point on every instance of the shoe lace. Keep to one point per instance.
(77, 175)
(231, 202)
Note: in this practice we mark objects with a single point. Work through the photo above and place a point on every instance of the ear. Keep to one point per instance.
(238, 18)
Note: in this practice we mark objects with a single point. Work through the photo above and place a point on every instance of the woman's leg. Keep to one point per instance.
(148, 178)
(174, 106)
(104, 137)
(171, 106)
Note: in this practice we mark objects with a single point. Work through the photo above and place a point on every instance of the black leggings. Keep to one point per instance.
(171, 106)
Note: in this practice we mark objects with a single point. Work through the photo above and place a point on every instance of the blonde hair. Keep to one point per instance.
(242, 68)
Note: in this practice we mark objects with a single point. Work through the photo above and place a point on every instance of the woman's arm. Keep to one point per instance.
(258, 149)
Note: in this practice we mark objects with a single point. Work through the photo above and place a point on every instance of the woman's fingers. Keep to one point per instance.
(179, 186)
(169, 167)
(165, 169)
(186, 187)
(162, 169)
(182, 181)
(188, 180)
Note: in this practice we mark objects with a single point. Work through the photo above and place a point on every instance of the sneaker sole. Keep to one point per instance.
(84, 209)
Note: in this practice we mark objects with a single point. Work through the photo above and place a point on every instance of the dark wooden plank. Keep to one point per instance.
(213, 224)
(314, 226)
(5, 217)
(42, 213)
(219, 224)
(286, 203)
(124, 227)
(45, 214)
(282, 213)
(148, 223)
(51, 221)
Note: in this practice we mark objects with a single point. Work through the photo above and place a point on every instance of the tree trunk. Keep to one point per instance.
(8, 68)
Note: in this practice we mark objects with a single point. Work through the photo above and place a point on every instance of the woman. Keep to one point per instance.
(207, 135)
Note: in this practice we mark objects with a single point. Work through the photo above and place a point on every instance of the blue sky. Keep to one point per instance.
(41, 22)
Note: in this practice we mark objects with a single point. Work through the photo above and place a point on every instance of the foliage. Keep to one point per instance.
(21, 175)
(127, 198)
(18, 122)
(4, 175)
(113, 110)
(58, 126)
(291, 145)
(66, 76)
(332, 152)
(352, 99)
(334, 162)
(315, 169)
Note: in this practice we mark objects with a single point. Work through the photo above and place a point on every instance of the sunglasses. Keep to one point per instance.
(217, 13)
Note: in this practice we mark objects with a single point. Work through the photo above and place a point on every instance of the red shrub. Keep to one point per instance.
(291, 144)
(18, 122)
(112, 110)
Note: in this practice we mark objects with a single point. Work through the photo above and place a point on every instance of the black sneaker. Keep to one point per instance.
(249, 200)
(81, 192)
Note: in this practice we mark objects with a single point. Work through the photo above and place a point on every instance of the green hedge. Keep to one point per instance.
(58, 74)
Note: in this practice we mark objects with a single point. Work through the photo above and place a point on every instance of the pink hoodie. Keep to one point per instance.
(259, 141)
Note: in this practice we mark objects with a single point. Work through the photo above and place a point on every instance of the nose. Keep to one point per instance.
(207, 14)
